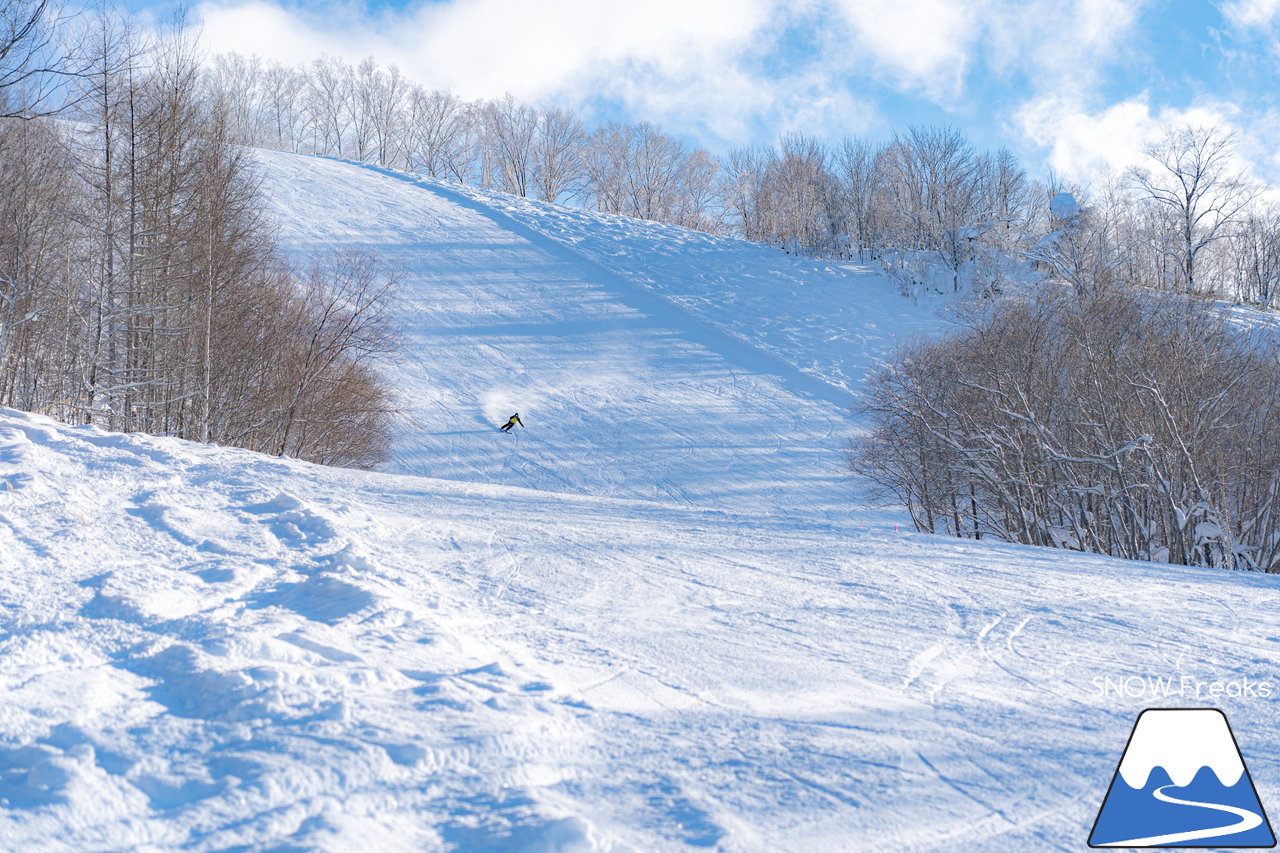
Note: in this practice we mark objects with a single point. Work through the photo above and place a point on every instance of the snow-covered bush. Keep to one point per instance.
(1112, 421)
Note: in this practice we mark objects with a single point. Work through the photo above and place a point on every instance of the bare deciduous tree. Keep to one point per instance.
(744, 178)
(140, 288)
(855, 165)
(509, 132)
(284, 121)
(608, 150)
(36, 58)
(336, 333)
(239, 80)
(329, 100)
(387, 107)
(1255, 251)
(435, 134)
(1078, 248)
(1118, 422)
(557, 154)
(1195, 181)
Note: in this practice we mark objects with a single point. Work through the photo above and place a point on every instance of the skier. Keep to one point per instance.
(511, 422)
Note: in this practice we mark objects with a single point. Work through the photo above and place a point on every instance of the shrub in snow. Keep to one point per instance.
(1109, 421)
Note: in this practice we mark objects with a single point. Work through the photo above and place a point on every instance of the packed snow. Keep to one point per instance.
(658, 618)
(563, 316)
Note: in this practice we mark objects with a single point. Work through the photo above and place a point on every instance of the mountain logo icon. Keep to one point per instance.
(1182, 783)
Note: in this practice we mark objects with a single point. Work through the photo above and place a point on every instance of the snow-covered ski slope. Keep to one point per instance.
(650, 621)
(206, 649)
(733, 393)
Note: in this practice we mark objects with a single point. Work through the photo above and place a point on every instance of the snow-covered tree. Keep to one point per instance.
(509, 130)
(1078, 248)
(1194, 180)
(1113, 421)
(329, 93)
(557, 154)
(435, 134)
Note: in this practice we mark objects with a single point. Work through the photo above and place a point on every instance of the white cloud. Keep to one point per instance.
(264, 29)
(485, 47)
(1087, 145)
(921, 44)
(663, 58)
(1251, 14)
(1062, 47)
(931, 45)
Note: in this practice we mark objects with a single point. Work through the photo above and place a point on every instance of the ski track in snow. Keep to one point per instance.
(626, 392)
(649, 621)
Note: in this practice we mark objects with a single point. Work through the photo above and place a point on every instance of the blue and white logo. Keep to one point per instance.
(1182, 783)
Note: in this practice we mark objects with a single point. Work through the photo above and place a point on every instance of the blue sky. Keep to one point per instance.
(1075, 86)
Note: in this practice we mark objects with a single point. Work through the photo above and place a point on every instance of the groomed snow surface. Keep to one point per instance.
(659, 618)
